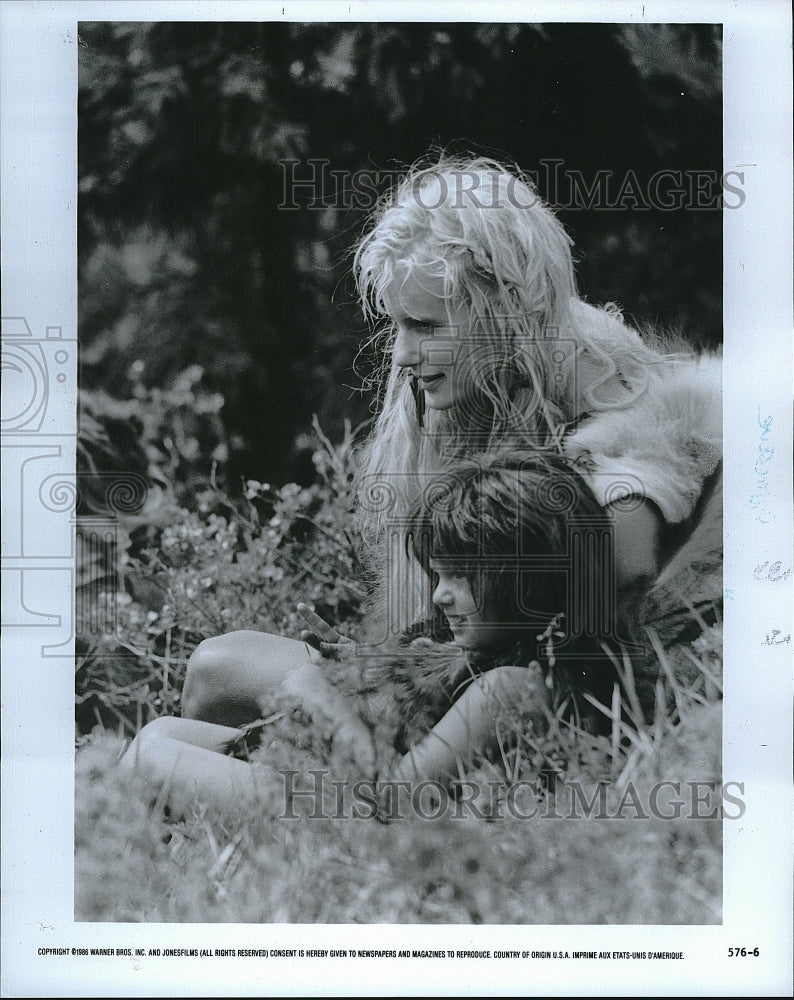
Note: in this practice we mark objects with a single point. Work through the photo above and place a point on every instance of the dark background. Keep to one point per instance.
(186, 259)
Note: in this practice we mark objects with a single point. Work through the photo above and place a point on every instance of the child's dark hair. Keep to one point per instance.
(536, 547)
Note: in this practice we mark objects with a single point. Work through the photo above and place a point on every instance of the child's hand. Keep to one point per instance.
(323, 637)
(328, 713)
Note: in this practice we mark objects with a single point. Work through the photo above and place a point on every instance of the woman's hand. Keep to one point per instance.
(323, 637)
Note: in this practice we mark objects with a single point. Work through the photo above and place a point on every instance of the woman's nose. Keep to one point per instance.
(441, 595)
(407, 352)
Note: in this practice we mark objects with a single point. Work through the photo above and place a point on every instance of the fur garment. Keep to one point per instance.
(664, 445)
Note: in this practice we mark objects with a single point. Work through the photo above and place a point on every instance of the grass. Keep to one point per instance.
(132, 864)
(202, 564)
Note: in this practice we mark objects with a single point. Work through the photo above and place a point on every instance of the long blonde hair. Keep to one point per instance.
(505, 262)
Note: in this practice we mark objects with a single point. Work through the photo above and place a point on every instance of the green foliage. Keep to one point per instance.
(232, 564)
(186, 258)
(260, 867)
(196, 562)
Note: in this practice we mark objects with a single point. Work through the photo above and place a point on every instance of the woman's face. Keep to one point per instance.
(473, 627)
(430, 340)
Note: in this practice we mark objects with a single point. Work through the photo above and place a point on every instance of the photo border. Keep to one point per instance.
(39, 173)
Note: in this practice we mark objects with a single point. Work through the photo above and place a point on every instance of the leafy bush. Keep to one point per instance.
(196, 562)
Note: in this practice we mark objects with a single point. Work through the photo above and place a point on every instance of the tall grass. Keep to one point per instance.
(134, 864)
(206, 564)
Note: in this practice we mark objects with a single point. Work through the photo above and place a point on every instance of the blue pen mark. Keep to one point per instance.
(759, 500)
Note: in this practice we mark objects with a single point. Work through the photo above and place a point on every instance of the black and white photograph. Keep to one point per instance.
(397, 505)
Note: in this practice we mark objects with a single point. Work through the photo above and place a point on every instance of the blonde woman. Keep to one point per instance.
(467, 277)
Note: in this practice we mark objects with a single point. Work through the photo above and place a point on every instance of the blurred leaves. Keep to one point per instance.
(185, 257)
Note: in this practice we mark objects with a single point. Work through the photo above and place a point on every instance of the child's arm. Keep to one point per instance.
(468, 731)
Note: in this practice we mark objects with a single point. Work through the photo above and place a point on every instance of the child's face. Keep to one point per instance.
(430, 334)
(472, 627)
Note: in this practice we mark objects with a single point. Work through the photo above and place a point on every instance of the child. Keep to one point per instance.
(520, 555)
